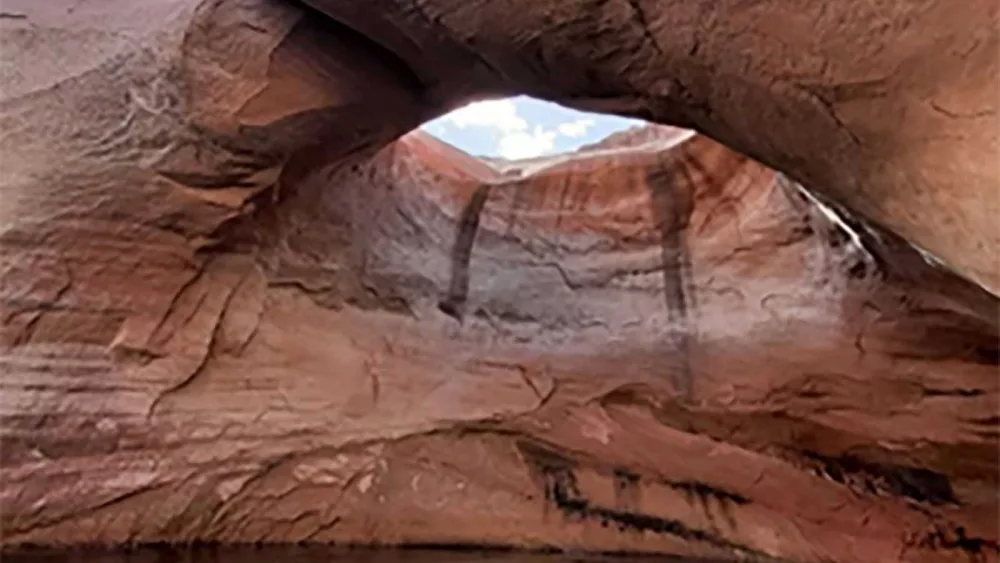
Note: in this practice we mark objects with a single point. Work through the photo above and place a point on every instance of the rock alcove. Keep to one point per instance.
(241, 306)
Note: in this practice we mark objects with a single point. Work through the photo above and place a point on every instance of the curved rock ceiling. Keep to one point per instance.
(522, 127)
(238, 306)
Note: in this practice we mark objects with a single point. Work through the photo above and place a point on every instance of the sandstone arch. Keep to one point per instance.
(221, 281)
(900, 99)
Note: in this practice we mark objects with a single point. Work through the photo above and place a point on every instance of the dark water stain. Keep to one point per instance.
(626, 488)
(561, 490)
(939, 334)
(671, 190)
(517, 204)
(955, 538)
(461, 254)
(957, 392)
(706, 495)
(704, 491)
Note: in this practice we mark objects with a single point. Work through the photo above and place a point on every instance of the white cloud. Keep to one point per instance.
(576, 129)
(519, 144)
(517, 128)
(501, 114)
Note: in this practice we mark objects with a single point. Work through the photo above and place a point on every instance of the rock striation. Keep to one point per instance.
(240, 305)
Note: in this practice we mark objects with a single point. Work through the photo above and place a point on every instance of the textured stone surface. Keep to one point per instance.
(899, 98)
(234, 309)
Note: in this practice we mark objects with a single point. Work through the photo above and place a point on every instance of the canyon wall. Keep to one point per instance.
(238, 307)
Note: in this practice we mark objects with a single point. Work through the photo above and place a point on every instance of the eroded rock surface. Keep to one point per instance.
(234, 309)
(888, 108)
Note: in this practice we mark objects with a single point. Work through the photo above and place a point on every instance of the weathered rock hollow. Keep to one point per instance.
(238, 307)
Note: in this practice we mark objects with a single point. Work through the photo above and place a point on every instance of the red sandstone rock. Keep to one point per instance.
(234, 310)
(889, 108)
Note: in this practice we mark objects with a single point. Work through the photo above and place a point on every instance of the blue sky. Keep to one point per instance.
(522, 127)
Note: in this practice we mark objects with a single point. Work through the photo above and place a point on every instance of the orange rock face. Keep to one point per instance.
(235, 309)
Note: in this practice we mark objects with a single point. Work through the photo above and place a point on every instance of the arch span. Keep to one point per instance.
(239, 307)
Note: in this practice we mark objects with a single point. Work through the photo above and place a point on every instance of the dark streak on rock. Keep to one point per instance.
(626, 488)
(956, 115)
(956, 538)
(461, 254)
(643, 23)
(517, 206)
(561, 489)
(673, 204)
(704, 491)
(928, 392)
(915, 483)
(988, 421)
(255, 27)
